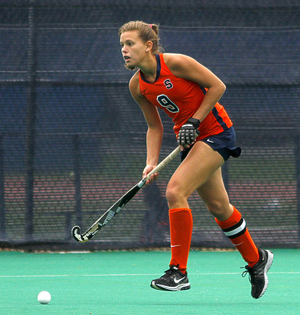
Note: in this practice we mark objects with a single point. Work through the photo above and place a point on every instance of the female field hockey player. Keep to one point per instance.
(189, 93)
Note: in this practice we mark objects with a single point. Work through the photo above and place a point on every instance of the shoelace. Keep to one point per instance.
(247, 271)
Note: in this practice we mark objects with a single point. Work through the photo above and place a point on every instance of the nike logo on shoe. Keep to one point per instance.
(178, 280)
(175, 245)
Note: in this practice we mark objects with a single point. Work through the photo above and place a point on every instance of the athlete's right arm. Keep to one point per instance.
(155, 127)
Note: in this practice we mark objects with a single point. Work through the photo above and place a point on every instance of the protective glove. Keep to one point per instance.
(188, 132)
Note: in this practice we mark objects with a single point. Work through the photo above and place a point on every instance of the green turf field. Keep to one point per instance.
(119, 283)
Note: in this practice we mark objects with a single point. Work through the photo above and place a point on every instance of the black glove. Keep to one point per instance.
(188, 132)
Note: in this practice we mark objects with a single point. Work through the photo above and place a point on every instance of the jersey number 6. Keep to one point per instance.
(165, 102)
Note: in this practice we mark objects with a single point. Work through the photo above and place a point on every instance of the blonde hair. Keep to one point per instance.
(146, 32)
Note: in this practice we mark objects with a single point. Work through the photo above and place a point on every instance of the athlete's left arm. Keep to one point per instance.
(188, 68)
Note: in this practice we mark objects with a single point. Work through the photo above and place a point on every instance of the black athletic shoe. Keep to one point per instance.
(172, 280)
(258, 273)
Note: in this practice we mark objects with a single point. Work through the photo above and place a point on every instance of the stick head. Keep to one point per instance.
(76, 233)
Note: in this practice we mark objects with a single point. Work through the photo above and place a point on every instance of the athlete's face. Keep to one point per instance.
(133, 48)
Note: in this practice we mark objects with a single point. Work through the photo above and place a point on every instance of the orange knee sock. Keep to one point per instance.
(181, 226)
(235, 229)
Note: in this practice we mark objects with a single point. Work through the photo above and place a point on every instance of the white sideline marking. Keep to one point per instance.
(136, 275)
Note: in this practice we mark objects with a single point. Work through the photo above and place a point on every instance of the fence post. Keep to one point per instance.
(225, 175)
(2, 200)
(30, 119)
(77, 180)
(297, 159)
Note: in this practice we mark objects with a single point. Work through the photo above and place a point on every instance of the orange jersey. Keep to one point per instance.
(180, 99)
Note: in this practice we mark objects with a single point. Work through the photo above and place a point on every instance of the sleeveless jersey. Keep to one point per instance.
(180, 99)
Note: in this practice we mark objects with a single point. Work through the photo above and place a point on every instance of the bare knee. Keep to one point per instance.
(175, 197)
(220, 210)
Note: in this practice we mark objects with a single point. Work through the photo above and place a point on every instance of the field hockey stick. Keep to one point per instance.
(116, 207)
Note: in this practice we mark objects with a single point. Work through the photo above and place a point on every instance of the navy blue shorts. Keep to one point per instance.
(223, 143)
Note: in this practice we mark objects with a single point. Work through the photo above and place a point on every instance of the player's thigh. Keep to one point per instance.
(199, 165)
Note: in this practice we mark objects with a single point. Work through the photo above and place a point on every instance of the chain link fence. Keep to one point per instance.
(72, 140)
